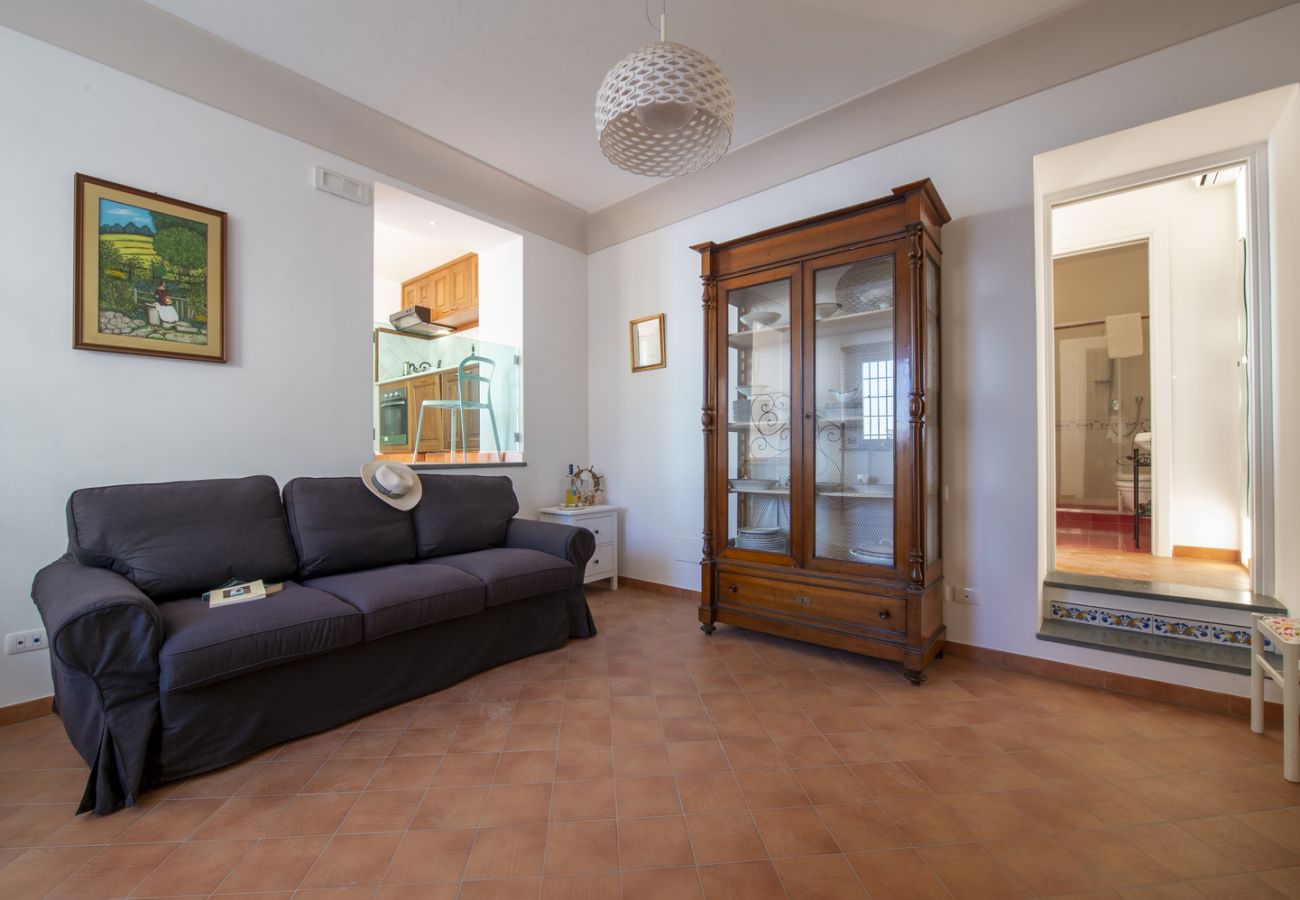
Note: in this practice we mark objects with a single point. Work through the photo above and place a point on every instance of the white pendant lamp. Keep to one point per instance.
(665, 110)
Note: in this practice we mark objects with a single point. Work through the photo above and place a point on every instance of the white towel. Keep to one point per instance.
(1124, 335)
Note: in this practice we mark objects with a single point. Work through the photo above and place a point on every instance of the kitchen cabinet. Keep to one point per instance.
(821, 421)
(450, 391)
(434, 436)
(449, 292)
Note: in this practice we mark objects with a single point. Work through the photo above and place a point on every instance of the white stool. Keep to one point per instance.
(1284, 632)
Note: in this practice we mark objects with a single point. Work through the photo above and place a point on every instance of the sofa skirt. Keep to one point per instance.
(219, 724)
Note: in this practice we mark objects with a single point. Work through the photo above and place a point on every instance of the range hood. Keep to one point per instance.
(415, 319)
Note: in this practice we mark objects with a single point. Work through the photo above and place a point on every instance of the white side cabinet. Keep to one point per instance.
(602, 521)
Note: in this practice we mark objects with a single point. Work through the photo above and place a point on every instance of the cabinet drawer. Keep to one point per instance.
(601, 526)
(865, 610)
(601, 564)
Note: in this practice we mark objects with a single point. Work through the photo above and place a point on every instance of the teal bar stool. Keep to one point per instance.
(460, 404)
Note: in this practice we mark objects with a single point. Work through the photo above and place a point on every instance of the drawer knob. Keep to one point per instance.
(803, 601)
(595, 562)
(884, 614)
(731, 589)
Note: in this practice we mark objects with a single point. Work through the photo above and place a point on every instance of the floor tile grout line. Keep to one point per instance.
(262, 835)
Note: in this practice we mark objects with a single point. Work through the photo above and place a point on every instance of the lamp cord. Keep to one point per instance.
(663, 17)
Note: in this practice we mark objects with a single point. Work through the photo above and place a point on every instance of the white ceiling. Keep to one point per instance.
(514, 82)
(414, 235)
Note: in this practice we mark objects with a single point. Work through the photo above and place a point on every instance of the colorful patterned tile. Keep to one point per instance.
(1231, 634)
(1188, 629)
(1073, 613)
(1125, 620)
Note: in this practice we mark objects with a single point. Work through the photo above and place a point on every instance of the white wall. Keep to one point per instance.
(501, 293)
(645, 427)
(1284, 232)
(300, 287)
(386, 294)
(1206, 334)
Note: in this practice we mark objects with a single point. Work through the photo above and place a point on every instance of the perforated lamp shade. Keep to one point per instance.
(665, 110)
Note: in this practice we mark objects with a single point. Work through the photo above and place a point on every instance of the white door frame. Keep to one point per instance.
(1255, 159)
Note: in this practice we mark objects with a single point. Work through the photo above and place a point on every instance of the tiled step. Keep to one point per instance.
(1222, 657)
(1242, 601)
(1113, 621)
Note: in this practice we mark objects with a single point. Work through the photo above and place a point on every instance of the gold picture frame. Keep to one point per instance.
(649, 349)
(150, 274)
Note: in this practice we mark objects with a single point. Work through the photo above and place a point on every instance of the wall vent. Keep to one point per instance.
(341, 186)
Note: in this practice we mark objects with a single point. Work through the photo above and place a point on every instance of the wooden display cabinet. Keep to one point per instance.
(821, 421)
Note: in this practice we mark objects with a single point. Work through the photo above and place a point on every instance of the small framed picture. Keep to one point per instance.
(648, 343)
(150, 274)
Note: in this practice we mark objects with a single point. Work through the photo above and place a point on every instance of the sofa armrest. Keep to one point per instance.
(104, 635)
(565, 541)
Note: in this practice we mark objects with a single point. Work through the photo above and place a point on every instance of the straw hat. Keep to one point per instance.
(393, 483)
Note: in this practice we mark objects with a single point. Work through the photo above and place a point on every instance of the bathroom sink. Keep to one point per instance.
(1142, 440)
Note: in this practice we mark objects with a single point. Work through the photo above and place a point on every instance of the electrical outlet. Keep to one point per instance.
(25, 641)
(968, 595)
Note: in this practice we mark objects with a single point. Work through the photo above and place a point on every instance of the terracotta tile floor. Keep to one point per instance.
(655, 762)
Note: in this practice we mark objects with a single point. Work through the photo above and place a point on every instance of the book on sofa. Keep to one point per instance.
(238, 591)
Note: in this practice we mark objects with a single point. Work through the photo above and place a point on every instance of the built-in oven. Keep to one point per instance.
(392, 417)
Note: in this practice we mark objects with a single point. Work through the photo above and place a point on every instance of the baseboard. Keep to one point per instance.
(655, 587)
(1218, 554)
(1149, 689)
(28, 709)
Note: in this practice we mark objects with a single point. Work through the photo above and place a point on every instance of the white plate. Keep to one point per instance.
(752, 484)
(880, 554)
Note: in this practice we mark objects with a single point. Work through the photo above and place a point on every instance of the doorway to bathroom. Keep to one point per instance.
(1151, 341)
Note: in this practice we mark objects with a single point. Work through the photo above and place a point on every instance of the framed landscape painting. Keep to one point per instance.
(150, 274)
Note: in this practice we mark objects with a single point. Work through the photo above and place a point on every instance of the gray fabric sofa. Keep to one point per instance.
(379, 606)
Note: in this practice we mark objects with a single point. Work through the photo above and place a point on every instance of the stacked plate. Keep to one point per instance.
(770, 539)
(877, 555)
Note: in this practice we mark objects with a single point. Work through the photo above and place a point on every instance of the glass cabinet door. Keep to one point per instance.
(853, 392)
(758, 403)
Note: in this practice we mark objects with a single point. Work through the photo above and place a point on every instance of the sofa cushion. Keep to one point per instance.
(183, 537)
(202, 645)
(402, 597)
(463, 513)
(340, 526)
(511, 573)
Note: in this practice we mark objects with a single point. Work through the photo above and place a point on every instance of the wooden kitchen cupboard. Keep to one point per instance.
(449, 292)
(822, 508)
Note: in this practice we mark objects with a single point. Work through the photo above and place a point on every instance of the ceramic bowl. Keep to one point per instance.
(845, 396)
(760, 317)
(825, 310)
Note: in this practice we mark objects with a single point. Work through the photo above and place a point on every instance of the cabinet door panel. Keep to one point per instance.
(441, 290)
(856, 386)
(758, 336)
(433, 436)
